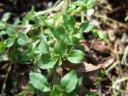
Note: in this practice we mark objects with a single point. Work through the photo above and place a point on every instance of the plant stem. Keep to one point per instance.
(82, 17)
(58, 7)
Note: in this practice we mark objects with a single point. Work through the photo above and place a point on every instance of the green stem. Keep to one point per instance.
(58, 7)
(82, 17)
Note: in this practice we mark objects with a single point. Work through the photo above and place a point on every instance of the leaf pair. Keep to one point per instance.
(22, 40)
(68, 83)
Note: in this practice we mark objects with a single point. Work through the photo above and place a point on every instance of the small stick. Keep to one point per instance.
(111, 20)
(112, 66)
(5, 80)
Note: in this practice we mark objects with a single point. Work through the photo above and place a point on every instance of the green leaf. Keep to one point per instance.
(69, 23)
(23, 93)
(69, 20)
(71, 8)
(68, 40)
(2, 25)
(17, 21)
(61, 35)
(10, 42)
(23, 39)
(5, 17)
(40, 20)
(84, 3)
(30, 15)
(60, 48)
(71, 94)
(38, 81)
(86, 27)
(126, 18)
(80, 79)
(100, 34)
(68, 28)
(10, 31)
(90, 94)
(14, 55)
(2, 46)
(57, 91)
(47, 62)
(19, 56)
(80, 4)
(69, 81)
(43, 47)
(89, 3)
(2, 33)
(76, 56)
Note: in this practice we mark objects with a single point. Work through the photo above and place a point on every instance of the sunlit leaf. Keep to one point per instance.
(69, 20)
(43, 46)
(47, 62)
(2, 33)
(69, 81)
(100, 34)
(10, 42)
(23, 39)
(76, 56)
(38, 81)
(86, 27)
(5, 17)
(61, 35)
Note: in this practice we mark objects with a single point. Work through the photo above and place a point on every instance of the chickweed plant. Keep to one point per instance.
(46, 39)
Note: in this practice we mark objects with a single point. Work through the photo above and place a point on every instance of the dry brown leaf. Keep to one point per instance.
(90, 67)
(102, 48)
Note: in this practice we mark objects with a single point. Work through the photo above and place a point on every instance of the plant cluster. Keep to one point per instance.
(47, 39)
